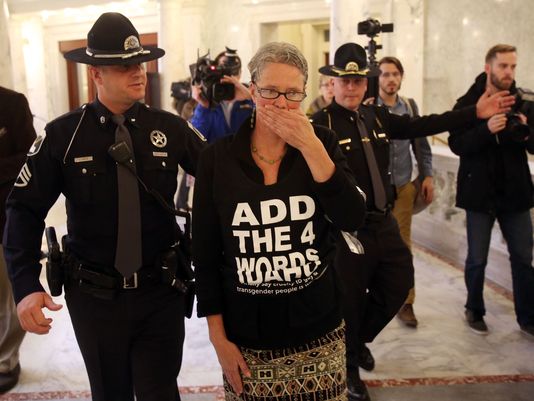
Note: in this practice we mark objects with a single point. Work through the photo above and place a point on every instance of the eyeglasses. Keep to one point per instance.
(271, 94)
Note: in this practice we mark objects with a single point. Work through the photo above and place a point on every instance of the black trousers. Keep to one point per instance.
(132, 343)
(373, 285)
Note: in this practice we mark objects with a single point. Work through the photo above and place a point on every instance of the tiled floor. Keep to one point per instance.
(441, 360)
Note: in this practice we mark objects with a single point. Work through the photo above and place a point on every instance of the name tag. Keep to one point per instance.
(83, 159)
(160, 154)
(345, 141)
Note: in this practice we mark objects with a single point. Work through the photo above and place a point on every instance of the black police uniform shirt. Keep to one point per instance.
(381, 126)
(78, 165)
(263, 253)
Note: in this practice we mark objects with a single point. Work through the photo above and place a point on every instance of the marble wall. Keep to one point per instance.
(442, 44)
(457, 36)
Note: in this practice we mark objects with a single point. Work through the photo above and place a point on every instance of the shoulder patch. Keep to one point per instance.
(24, 177)
(36, 146)
(197, 132)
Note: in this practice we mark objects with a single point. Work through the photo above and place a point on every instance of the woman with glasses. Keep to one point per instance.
(267, 203)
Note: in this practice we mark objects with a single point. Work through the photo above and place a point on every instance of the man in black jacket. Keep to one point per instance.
(494, 182)
(375, 284)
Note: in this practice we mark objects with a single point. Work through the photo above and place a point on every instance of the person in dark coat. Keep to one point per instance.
(16, 136)
(494, 183)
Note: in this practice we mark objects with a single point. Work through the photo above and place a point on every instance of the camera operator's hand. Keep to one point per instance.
(497, 122)
(499, 102)
(196, 93)
(241, 91)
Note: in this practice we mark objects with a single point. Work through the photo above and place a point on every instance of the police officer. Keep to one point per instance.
(128, 323)
(375, 284)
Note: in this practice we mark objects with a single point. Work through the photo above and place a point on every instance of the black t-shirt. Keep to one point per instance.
(263, 253)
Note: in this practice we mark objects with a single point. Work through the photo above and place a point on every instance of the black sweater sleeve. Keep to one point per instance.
(207, 241)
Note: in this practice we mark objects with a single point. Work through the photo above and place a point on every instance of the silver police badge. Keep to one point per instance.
(131, 42)
(158, 139)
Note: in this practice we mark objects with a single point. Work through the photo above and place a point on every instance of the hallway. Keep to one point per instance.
(441, 360)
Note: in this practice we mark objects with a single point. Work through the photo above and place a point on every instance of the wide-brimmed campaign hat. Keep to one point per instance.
(113, 40)
(350, 60)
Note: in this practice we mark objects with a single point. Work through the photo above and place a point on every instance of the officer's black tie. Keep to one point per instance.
(379, 192)
(128, 255)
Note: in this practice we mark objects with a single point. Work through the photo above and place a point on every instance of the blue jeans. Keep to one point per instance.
(517, 231)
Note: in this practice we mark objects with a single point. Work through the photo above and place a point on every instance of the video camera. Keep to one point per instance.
(181, 90)
(371, 28)
(524, 103)
(208, 74)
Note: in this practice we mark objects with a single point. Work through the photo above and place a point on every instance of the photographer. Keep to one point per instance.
(228, 115)
(494, 182)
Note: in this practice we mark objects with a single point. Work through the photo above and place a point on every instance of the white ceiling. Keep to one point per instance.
(30, 6)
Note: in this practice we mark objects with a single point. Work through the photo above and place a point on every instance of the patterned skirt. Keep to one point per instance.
(311, 372)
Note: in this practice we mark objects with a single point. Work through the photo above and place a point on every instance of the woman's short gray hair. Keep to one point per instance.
(277, 52)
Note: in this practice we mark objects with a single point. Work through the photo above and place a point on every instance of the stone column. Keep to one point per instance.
(171, 66)
(408, 44)
(180, 35)
(344, 20)
(6, 72)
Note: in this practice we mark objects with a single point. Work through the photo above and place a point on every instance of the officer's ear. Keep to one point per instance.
(95, 73)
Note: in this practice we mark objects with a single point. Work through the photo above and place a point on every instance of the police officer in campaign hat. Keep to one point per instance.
(375, 283)
(108, 158)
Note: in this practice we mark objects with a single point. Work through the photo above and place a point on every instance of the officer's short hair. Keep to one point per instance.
(500, 48)
(277, 52)
(392, 60)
